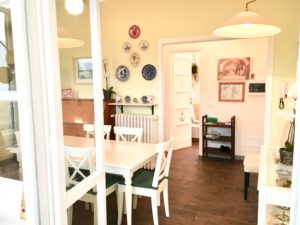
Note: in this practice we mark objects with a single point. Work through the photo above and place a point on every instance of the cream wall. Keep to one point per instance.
(180, 18)
(249, 114)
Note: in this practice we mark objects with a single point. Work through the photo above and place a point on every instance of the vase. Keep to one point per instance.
(286, 157)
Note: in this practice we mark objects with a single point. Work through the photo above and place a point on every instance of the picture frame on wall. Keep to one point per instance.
(231, 91)
(234, 68)
(83, 70)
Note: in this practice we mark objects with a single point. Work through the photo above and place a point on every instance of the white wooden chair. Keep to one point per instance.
(151, 183)
(128, 134)
(106, 131)
(80, 163)
(90, 130)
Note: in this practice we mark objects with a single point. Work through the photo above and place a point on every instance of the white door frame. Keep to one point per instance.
(163, 56)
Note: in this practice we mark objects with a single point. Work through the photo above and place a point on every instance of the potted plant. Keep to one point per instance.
(107, 91)
(286, 152)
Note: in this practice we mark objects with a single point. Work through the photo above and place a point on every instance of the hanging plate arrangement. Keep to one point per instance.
(122, 73)
(149, 72)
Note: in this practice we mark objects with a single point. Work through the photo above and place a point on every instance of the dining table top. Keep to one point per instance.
(121, 154)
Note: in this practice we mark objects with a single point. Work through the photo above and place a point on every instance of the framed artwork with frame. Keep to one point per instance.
(231, 91)
(83, 70)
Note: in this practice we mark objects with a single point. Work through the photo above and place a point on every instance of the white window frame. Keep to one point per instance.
(39, 103)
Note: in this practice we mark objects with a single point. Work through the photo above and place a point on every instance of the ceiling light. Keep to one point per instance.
(74, 7)
(247, 24)
(66, 40)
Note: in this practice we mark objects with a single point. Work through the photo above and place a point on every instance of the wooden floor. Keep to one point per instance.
(200, 193)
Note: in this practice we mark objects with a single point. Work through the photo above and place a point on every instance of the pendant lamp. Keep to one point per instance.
(74, 7)
(66, 40)
(247, 24)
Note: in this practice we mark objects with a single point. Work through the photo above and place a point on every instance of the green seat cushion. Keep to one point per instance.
(112, 179)
(142, 178)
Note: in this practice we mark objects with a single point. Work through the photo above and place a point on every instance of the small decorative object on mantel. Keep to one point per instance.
(108, 91)
(127, 99)
(286, 152)
(67, 93)
(134, 31)
(135, 100)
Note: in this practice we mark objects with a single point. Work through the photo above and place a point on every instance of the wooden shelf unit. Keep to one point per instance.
(225, 140)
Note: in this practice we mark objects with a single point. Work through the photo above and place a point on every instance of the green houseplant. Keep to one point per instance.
(286, 152)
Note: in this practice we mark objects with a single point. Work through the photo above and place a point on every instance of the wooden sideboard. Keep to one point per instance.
(77, 112)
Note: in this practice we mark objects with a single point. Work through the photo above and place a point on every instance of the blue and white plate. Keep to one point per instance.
(122, 73)
(149, 72)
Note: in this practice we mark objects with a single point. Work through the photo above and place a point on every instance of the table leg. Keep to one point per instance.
(128, 198)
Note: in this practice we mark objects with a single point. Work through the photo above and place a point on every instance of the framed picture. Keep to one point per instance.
(231, 92)
(83, 70)
(234, 69)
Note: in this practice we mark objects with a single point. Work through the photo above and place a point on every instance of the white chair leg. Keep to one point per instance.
(70, 215)
(120, 203)
(166, 201)
(87, 205)
(158, 199)
(135, 201)
(95, 214)
(154, 209)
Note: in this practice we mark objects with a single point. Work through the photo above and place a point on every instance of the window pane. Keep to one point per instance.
(7, 65)
(10, 157)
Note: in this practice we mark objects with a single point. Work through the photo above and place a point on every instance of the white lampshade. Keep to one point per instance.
(66, 40)
(74, 7)
(247, 24)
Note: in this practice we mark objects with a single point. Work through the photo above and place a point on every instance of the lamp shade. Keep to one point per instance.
(74, 7)
(66, 40)
(247, 24)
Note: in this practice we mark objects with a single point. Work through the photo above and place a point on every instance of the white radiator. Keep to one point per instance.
(147, 122)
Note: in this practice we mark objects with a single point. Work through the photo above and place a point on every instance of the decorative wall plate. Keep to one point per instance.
(122, 73)
(134, 31)
(126, 46)
(144, 45)
(149, 72)
(134, 59)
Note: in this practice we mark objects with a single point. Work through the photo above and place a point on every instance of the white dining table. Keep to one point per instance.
(122, 158)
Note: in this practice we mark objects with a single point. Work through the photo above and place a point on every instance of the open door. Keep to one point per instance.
(181, 106)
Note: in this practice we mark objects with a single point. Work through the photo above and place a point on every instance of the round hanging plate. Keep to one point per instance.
(134, 31)
(149, 72)
(122, 73)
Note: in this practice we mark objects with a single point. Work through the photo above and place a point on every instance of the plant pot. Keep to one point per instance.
(107, 95)
(286, 157)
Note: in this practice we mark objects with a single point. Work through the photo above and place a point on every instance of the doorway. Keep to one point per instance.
(209, 92)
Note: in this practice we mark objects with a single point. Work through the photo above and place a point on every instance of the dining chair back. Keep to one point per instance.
(89, 129)
(78, 160)
(106, 131)
(128, 134)
(151, 183)
(80, 163)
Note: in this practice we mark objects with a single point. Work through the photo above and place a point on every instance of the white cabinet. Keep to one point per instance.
(271, 195)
